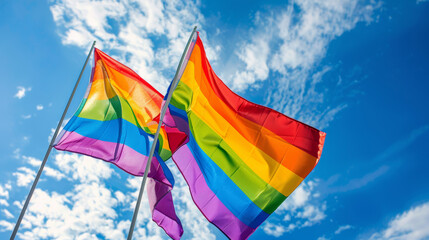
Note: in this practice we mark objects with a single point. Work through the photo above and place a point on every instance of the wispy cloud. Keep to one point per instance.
(7, 213)
(421, 1)
(402, 144)
(21, 92)
(17, 153)
(410, 225)
(329, 187)
(322, 238)
(353, 183)
(342, 229)
(286, 47)
(39, 107)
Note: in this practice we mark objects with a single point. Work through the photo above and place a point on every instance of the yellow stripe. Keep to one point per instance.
(109, 83)
(268, 169)
(298, 161)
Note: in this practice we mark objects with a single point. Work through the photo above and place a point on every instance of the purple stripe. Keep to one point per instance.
(161, 201)
(159, 188)
(208, 203)
(162, 207)
(121, 155)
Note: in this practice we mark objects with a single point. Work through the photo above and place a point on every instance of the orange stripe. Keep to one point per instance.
(293, 158)
(108, 83)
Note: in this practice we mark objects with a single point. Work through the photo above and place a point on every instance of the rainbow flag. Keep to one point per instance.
(115, 123)
(240, 160)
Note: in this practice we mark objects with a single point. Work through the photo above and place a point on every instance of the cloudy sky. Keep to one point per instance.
(356, 69)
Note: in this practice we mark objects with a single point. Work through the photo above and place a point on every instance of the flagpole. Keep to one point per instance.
(36, 180)
(155, 138)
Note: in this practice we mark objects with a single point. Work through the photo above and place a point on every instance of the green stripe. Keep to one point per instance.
(261, 193)
(115, 108)
(108, 109)
(82, 104)
(182, 96)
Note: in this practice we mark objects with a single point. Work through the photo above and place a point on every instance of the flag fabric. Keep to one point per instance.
(116, 122)
(240, 160)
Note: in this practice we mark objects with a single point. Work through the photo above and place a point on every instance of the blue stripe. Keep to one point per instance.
(224, 188)
(116, 131)
(178, 112)
(166, 170)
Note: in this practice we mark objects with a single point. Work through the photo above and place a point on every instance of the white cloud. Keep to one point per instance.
(148, 36)
(83, 168)
(18, 204)
(5, 226)
(48, 171)
(421, 1)
(21, 92)
(300, 209)
(7, 213)
(24, 176)
(4, 202)
(90, 210)
(4, 190)
(39, 107)
(4, 194)
(343, 228)
(255, 56)
(32, 161)
(53, 173)
(274, 229)
(28, 116)
(87, 209)
(410, 225)
(120, 196)
(322, 238)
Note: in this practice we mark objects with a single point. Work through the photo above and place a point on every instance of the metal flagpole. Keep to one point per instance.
(30, 194)
(155, 138)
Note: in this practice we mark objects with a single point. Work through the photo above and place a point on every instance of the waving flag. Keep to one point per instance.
(240, 160)
(115, 122)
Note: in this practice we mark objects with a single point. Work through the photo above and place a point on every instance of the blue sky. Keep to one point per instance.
(357, 70)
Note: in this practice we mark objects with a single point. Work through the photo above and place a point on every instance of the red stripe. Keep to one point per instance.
(294, 132)
(98, 54)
